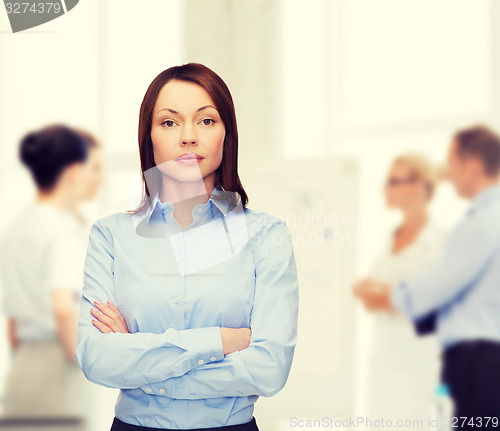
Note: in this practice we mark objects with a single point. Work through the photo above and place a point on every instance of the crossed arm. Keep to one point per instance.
(236, 361)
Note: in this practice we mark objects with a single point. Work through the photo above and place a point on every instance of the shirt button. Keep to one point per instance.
(177, 260)
(213, 358)
(149, 389)
(176, 300)
(162, 391)
(200, 361)
(200, 210)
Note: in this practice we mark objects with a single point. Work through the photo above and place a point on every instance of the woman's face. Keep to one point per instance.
(185, 120)
(84, 178)
(401, 189)
(92, 174)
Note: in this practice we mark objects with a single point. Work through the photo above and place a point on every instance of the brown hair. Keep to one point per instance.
(481, 142)
(227, 172)
(422, 169)
(89, 137)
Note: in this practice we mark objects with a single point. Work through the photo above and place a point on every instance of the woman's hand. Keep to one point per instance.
(235, 339)
(108, 318)
(374, 295)
(361, 287)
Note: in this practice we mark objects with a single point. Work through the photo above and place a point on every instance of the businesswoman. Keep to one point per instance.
(402, 368)
(42, 253)
(190, 301)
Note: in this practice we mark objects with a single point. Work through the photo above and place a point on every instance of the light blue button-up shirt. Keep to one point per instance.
(463, 287)
(231, 267)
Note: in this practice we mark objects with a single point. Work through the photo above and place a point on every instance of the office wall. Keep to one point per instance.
(370, 80)
(355, 79)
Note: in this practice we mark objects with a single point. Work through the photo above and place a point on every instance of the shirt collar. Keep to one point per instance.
(484, 196)
(223, 200)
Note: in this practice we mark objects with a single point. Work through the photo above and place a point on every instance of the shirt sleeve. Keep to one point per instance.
(263, 367)
(468, 251)
(124, 360)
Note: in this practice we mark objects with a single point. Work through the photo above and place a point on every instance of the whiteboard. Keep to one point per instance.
(317, 198)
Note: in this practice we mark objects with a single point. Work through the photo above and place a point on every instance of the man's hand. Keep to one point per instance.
(374, 295)
(108, 318)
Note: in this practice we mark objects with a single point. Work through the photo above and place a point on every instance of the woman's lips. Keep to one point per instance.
(190, 161)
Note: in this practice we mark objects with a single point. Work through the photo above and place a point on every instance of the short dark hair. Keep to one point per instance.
(48, 151)
(481, 142)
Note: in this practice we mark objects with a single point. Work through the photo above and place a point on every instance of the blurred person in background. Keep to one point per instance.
(403, 369)
(42, 253)
(94, 177)
(459, 297)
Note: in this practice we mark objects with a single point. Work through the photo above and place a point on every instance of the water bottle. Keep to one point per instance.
(442, 409)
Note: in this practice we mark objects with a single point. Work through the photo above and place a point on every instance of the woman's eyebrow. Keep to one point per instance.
(198, 110)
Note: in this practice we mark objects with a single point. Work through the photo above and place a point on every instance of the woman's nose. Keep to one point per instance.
(188, 135)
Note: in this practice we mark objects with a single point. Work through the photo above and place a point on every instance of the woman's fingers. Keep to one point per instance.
(107, 316)
(103, 313)
(362, 286)
(118, 318)
(111, 305)
(110, 316)
(101, 326)
(117, 315)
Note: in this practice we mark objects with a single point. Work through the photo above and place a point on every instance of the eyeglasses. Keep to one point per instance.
(394, 181)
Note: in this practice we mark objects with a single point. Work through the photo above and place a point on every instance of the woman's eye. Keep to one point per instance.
(168, 123)
(206, 121)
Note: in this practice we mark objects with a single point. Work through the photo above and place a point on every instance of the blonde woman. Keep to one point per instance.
(403, 368)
